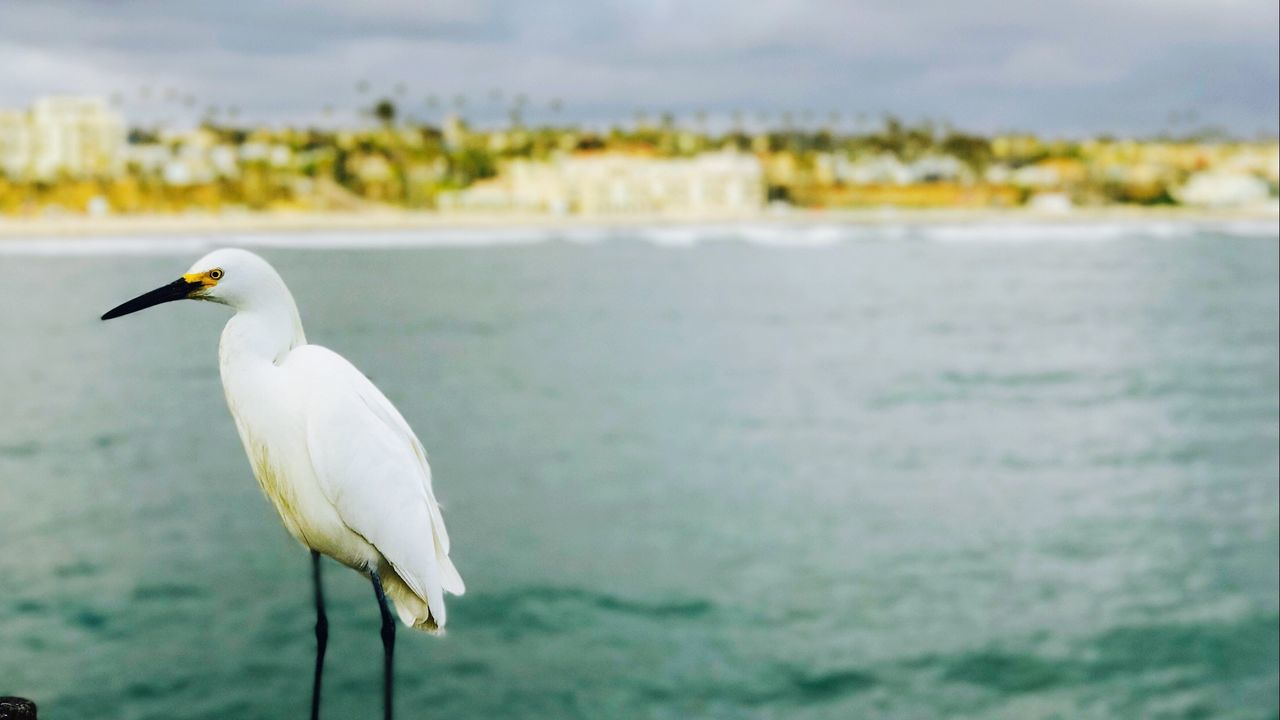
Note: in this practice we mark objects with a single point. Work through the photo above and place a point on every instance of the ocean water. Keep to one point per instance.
(992, 471)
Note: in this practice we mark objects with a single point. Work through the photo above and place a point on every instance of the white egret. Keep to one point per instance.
(345, 472)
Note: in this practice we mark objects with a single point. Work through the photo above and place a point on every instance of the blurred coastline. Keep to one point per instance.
(77, 165)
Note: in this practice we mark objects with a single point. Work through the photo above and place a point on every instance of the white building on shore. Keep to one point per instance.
(62, 135)
(617, 183)
(15, 143)
(1223, 189)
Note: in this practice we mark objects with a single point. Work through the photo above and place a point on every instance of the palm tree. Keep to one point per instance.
(385, 111)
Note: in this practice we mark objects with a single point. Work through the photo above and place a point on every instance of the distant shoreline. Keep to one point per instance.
(381, 221)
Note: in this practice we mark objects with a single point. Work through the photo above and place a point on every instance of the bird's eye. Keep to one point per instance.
(216, 273)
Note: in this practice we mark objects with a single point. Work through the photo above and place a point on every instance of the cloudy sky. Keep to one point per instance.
(1066, 66)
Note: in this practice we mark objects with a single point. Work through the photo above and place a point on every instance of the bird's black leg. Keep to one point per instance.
(322, 634)
(388, 643)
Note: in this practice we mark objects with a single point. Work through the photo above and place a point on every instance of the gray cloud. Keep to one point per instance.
(1073, 66)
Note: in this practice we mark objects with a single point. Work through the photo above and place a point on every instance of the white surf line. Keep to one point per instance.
(799, 235)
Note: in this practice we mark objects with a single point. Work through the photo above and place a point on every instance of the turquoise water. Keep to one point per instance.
(979, 472)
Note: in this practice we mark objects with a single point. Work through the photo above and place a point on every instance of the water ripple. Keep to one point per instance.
(523, 606)
(1218, 650)
(166, 591)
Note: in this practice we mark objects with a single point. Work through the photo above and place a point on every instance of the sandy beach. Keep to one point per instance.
(396, 220)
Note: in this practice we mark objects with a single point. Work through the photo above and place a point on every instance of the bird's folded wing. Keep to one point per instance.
(375, 472)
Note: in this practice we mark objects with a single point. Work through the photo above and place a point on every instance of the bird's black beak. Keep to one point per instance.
(179, 289)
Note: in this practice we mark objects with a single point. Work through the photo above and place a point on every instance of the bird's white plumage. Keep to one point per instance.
(344, 470)
(378, 450)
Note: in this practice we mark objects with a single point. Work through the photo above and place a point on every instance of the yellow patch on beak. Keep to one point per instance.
(202, 278)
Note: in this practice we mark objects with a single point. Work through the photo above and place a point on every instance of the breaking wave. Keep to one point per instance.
(763, 234)
(766, 235)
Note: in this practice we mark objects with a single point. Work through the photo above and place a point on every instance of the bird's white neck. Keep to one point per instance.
(265, 327)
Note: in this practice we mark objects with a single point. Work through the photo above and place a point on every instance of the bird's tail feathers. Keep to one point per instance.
(410, 607)
(412, 610)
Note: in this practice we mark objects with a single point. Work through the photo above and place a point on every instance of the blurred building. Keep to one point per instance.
(1223, 189)
(62, 136)
(15, 143)
(616, 183)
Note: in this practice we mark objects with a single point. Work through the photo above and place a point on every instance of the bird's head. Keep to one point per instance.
(229, 276)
